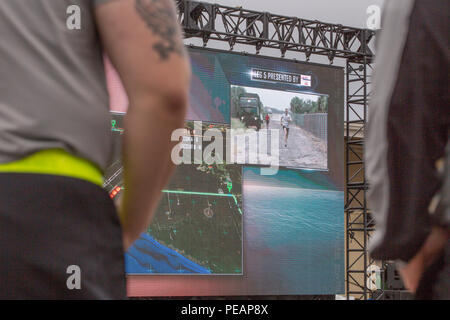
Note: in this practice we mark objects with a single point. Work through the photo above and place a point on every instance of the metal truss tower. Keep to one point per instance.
(238, 26)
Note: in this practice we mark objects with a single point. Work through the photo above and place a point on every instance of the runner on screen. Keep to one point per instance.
(285, 120)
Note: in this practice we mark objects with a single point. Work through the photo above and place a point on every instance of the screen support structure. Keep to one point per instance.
(239, 26)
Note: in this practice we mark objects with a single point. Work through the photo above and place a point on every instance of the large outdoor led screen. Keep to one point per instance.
(229, 228)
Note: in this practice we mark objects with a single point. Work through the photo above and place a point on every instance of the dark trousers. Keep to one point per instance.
(60, 238)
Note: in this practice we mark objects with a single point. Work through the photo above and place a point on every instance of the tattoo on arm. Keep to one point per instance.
(161, 19)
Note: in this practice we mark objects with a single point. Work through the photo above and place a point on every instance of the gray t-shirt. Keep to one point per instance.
(52, 82)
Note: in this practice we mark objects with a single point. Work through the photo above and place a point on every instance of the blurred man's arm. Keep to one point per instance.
(143, 40)
(412, 272)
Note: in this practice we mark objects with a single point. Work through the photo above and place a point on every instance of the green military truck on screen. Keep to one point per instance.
(250, 112)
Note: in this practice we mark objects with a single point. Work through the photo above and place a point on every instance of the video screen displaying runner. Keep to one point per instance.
(300, 121)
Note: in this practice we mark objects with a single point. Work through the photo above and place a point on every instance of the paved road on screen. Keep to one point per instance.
(303, 150)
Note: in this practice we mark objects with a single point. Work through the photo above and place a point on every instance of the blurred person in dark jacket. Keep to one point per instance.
(408, 132)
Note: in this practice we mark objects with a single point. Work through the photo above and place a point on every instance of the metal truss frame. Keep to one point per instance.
(239, 26)
(359, 222)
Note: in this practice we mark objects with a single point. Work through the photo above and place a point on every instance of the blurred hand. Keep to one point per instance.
(412, 272)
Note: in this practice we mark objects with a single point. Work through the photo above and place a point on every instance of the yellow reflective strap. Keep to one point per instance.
(56, 162)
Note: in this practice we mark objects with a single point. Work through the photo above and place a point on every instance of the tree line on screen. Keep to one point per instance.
(298, 105)
(302, 106)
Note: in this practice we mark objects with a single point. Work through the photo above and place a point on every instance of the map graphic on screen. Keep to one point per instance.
(197, 227)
